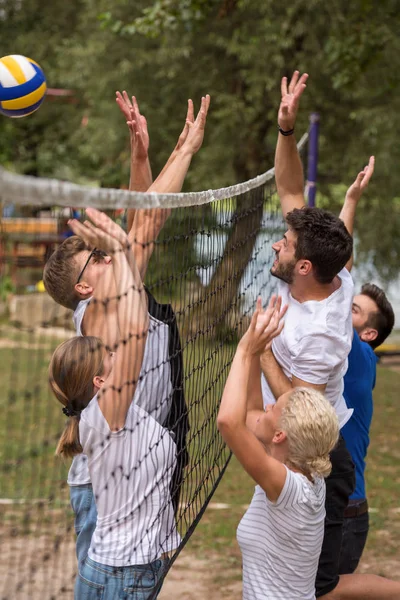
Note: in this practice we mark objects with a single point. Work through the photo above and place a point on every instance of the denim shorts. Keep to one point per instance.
(101, 582)
(84, 507)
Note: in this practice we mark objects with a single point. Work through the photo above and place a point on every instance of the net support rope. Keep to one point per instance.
(33, 191)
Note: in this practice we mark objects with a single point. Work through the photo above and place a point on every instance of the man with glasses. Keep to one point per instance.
(97, 255)
(80, 278)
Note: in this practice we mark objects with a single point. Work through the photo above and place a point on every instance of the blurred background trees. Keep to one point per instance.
(237, 50)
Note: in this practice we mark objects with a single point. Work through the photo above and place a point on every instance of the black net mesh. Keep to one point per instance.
(153, 479)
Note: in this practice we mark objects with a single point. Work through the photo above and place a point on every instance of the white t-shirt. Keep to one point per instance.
(315, 343)
(154, 388)
(131, 473)
(281, 541)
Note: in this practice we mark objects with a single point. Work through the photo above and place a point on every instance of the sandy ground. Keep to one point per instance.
(33, 571)
(36, 571)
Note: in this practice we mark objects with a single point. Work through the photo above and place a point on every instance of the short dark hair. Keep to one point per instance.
(383, 319)
(61, 271)
(322, 238)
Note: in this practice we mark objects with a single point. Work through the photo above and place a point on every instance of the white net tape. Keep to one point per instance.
(34, 191)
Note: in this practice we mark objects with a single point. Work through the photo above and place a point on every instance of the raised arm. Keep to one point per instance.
(279, 383)
(146, 221)
(353, 195)
(288, 168)
(116, 395)
(149, 222)
(183, 135)
(233, 422)
(140, 176)
(101, 315)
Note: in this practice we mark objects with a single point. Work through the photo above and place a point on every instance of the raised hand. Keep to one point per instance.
(290, 100)
(265, 325)
(103, 221)
(185, 130)
(137, 124)
(361, 182)
(101, 232)
(195, 132)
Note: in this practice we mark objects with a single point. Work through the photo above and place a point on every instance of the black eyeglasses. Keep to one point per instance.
(99, 254)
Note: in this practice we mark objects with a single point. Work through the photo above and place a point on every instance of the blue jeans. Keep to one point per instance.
(84, 507)
(101, 582)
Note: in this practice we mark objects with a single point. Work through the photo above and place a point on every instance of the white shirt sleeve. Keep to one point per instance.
(315, 358)
(291, 493)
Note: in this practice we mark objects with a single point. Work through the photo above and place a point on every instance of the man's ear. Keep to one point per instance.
(83, 289)
(369, 334)
(279, 437)
(304, 267)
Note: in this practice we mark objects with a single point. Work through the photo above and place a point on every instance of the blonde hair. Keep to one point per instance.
(61, 272)
(312, 430)
(72, 368)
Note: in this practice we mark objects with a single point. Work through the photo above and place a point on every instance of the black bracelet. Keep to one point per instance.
(286, 133)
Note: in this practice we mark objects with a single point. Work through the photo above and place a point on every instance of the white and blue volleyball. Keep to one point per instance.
(22, 86)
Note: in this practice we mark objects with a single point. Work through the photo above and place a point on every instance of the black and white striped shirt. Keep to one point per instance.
(281, 541)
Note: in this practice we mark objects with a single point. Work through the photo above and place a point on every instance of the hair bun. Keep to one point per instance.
(320, 465)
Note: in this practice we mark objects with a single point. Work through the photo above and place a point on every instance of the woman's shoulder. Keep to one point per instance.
(299, 490)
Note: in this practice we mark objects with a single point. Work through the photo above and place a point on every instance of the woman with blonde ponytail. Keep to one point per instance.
(130, 456)
(285, 449)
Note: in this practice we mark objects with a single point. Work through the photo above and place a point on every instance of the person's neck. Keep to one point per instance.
(297, 470)
(280, 452)
(304, 289)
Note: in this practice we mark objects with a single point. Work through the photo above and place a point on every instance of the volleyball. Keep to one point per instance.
(22, 86)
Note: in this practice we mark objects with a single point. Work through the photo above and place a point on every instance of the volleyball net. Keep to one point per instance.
(210, 262)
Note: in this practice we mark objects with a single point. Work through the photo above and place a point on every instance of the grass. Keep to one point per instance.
(30, 422)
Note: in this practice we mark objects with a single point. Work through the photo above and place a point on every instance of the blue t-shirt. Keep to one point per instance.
(359, 382)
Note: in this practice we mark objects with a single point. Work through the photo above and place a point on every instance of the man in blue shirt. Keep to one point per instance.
(373, 320)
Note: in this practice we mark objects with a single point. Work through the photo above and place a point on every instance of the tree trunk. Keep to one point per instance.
(215, 303)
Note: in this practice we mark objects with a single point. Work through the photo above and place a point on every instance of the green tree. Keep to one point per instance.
(236, 50)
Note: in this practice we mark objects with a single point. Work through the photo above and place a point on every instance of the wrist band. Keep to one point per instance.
(286, 133)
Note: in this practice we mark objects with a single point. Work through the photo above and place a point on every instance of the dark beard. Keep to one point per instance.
(284, 272)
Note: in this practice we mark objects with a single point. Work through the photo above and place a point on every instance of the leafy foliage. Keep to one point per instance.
(236, 50)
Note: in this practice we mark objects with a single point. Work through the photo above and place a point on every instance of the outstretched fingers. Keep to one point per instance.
(126, 99)
(298, 92)
(124, 103)
(284, 87)
(362, 180)
(368, 172)
(195, 133)
(135, 105)
(83, 231)
(97, 216)
(190, 111)
(202, 114)
(296, 86)
(103, 222)
(269, 317)
(253, 322)
(293, 82)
